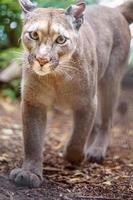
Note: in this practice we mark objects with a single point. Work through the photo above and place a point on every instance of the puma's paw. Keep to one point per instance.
(73, 156)
(95, 155)
(22, 177)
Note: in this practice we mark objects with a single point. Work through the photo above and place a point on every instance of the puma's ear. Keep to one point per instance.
(77, 11)
(27, 5)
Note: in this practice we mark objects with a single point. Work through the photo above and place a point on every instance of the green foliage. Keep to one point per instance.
(55, 3)
(61, 3)
(10, 23)
(11, 90)
(7, 55)
(131, 55)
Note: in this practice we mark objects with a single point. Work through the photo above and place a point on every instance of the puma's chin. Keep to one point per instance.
(41, 71)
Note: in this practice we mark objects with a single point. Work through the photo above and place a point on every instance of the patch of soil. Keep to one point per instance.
(62, 181)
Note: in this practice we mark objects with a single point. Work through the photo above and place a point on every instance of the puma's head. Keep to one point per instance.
(50, 36)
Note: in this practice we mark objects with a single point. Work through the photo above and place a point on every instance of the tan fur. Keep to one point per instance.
(86, 80)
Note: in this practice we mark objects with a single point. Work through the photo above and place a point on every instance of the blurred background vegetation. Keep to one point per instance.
(10, 32)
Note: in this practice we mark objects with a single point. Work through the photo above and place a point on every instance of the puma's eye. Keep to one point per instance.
(34, 35)
(61, 39)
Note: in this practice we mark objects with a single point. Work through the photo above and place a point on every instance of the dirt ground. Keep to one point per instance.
(110, 181)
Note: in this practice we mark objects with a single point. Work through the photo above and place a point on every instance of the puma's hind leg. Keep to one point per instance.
(98, 141)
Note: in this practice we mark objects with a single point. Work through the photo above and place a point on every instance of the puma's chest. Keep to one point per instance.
(55, 93)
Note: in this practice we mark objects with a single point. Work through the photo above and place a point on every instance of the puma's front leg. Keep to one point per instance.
(83, 123)
(34, 121)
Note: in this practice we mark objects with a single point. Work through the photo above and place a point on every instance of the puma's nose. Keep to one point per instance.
(42, 61)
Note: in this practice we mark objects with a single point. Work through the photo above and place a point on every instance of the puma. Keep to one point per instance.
(73, 58)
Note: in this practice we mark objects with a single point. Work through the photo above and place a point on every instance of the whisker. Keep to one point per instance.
(18, 59)
(71, 62)
(65, 73)
(70, 68)
(67, 65)
(18, 53)
(55, 75)
(47, 78)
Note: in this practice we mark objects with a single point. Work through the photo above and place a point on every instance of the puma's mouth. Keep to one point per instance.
(40, 71)
(43, 70)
